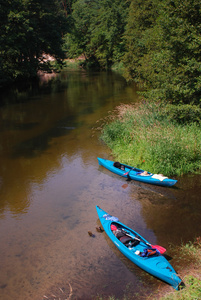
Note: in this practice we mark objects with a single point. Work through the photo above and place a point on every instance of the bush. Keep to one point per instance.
(183, 114)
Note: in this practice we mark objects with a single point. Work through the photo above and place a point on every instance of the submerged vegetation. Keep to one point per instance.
(148, 136)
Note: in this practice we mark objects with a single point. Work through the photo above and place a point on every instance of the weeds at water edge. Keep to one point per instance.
(144, 137)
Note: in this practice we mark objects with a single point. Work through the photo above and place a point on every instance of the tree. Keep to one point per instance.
(78, 39)
(181, 26)
(107, 31)
(98, 29)
(28, 30)
(141, 19)
(164, 49)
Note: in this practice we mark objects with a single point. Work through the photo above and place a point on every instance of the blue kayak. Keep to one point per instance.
(136, 174)
(138, 250)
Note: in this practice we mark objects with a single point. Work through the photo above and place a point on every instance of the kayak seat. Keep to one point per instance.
(126, 241)
(119, 166)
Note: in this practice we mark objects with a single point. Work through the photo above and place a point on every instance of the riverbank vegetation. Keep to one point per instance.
(155, 137)
(163, 49)
(189, 264)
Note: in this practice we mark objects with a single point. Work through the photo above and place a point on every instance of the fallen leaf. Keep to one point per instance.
(125, 185)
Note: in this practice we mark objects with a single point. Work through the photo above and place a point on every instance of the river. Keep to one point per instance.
(50, 184)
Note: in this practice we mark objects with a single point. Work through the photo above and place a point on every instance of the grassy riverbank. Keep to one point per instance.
(155, 137)
(189, 265)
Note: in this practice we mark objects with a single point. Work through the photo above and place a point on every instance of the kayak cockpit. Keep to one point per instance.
(132, 242)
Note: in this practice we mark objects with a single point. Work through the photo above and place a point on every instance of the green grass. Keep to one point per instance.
(192, 291)
(190, 259)
(147, 138)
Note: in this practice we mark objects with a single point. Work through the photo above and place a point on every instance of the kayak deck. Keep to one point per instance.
(137, 174)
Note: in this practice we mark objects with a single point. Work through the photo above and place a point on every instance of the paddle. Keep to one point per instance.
(159, 248)
(127, 173)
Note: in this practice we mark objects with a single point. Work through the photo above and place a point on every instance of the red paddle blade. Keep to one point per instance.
(159, 248)
(126, 173)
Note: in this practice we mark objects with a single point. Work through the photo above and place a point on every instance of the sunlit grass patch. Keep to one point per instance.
(192, 290)
(190, 258)
(144, 137)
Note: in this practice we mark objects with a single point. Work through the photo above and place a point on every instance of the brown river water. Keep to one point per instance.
(50, 184)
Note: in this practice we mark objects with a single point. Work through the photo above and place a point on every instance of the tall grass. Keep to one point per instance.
(145, 137)
(191, 292)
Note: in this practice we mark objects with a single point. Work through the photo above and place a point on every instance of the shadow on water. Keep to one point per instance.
(35, 146)
(158, 190)
(50, 183)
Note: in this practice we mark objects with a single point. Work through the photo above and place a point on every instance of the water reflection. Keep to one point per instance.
(50, 183)
(29, 129)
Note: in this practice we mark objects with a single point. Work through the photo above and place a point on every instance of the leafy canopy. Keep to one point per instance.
(98, 30)
(163, 40)
(28, 29)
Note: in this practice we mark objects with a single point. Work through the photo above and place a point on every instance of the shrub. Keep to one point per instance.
(183, 114)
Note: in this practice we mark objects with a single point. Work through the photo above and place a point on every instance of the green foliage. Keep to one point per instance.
(183, 114)
(192, 290)
(28, 30)
(142, 15)
(118, 67)
(164, 49)
(147, 138)
(97, 31)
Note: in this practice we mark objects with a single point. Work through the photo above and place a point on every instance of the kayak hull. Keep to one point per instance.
(135, 174)
(156, 265)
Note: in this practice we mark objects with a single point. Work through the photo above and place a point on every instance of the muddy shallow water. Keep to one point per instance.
(50, 183)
